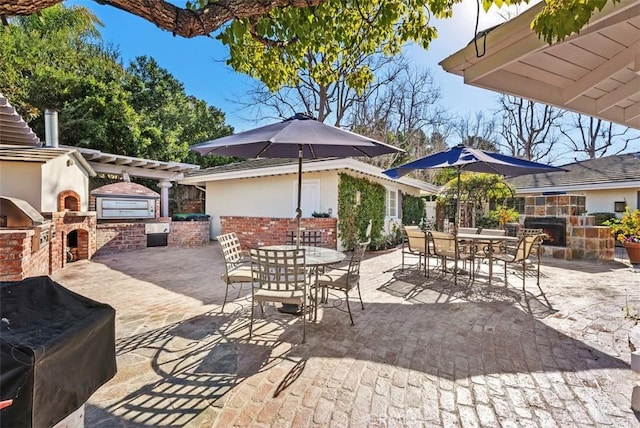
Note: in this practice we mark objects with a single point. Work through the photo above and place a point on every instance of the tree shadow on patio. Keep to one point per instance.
(195, 363)
(413, 286)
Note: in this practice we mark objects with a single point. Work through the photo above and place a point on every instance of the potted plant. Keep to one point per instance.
(627, 230)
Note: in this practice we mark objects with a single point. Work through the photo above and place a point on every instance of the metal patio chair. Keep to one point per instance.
(415, 243)
(518, 257)
(236, 265)
(280, 276)
(447, 247)
(345, 279)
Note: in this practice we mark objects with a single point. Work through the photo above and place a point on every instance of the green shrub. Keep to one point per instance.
(602, 217)
(412, 210)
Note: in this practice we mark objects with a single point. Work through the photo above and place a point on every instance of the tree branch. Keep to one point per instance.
(182, 22)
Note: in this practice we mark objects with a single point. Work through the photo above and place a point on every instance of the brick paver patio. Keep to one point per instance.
(423, 353)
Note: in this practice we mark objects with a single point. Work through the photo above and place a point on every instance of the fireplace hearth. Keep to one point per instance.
(554, 227)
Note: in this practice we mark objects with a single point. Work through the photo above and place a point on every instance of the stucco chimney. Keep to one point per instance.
(51, 127)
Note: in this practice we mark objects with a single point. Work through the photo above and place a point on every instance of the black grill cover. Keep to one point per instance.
(56, 349)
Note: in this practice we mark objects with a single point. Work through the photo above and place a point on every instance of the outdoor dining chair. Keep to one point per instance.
(446, 247)
(346, 279)
(236, 266)
(281, 276)
(519, 255)
(310, 238)
(415, 243)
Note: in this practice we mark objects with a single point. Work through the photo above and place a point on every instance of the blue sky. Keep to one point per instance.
(199, 63)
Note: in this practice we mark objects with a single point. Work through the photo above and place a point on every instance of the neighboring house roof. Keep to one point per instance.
(594, 72)
(265, 167)
(610, 172)
(42, 155)
(13, 129)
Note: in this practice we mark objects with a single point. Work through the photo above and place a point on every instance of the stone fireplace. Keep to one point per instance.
(571, 234)
(554, 227)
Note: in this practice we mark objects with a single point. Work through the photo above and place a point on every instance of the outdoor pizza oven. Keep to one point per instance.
(125, 207)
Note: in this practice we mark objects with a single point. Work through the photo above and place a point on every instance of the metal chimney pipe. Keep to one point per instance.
(51, 127)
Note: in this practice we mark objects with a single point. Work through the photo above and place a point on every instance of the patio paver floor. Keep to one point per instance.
(423, 353)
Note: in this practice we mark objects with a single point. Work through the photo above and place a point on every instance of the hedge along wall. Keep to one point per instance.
(354, 217)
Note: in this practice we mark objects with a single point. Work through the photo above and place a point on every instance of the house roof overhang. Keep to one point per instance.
(13, 129)
(595, 72)
(108, 163)
(290, 166)
(22, 153)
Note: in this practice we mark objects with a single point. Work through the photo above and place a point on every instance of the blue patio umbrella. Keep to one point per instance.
(464, 158)
(300, 137)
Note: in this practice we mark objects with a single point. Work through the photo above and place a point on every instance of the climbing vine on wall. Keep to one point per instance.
(354, 217)
(412, 210)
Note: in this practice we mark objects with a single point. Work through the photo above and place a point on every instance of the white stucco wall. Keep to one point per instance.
(21, 180)
(276, 196)
(603, 200)
(58, 175)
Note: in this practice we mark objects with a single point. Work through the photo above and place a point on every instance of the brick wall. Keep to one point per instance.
(17, 261)
(116, 237)
(189, 234)
(64, 223)
(260, 231)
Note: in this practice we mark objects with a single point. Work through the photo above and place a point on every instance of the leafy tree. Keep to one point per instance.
(557, 20)
(476, 190)
(57, 60)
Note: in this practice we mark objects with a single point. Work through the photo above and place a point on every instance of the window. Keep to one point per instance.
(392, 203)
(619, 207)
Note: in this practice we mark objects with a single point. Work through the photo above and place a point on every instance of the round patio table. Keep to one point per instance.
(315, 257)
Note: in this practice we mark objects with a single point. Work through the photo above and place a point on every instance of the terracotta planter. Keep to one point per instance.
(633, 251)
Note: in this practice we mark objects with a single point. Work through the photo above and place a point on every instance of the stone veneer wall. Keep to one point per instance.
(584, 239)
(259, 231)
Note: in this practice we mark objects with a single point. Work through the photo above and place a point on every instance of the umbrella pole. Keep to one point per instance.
(298, 210)
(456, 223)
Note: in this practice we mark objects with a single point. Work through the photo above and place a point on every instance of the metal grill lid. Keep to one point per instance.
(14, 207)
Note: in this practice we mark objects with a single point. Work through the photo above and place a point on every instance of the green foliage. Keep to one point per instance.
(388, 240)
(498, 217)
(57, 60)
(355, 218)
(279, 47)
(600, 218)
(626, 228)
(476, 189)
(412, 210)
(561, 18)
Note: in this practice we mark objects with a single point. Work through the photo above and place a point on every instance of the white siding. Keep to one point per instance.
(21, 180)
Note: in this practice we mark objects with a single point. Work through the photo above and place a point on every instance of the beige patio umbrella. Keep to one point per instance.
(301, 137)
